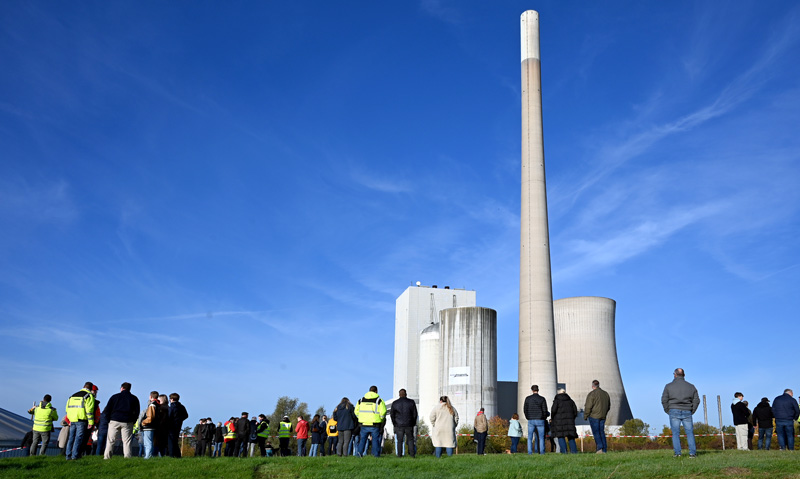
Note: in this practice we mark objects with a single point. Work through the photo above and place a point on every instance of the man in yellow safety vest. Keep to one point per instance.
(284, 434)
(80, 412)
(371, 413)
(43, 416)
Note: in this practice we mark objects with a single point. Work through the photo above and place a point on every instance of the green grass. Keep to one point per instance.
(633, 464)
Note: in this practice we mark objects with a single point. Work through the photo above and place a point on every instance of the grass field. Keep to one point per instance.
(633, 464)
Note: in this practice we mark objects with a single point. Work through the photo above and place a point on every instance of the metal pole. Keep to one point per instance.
(721, 432)
(705, 410)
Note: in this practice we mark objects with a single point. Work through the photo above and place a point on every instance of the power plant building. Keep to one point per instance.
(416, 309)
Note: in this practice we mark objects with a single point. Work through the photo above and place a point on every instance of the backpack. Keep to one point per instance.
(332, 428)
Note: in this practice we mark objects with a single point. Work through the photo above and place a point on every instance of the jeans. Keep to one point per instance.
(354, 450)
(514, 444)
(100, 444)
(44, 436)
(536, 432)
(125, 431)
(562, 444)
(376, 440)
(148, 436)
(785, 430)
(764, 437)
(599, 433)
(301, 447)
(438, 451)
(481, 438)
(217, 451)
(314, 450)
(678, 417)
(76, 439)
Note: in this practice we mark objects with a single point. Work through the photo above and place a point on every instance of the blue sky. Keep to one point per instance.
(225, 199)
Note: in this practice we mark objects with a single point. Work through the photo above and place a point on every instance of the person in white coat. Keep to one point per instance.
(444, 419)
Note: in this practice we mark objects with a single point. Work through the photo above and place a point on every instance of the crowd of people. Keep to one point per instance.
(358, 429)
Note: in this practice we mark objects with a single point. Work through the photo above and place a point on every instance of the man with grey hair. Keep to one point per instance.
(596, 408)
(786, 411)
(680, 400)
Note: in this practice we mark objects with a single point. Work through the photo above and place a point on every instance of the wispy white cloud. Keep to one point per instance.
(46, 202)
(381, 184)
(442, 10)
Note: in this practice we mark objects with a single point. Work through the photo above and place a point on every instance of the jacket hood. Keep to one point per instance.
(371, 395)
(736, 400)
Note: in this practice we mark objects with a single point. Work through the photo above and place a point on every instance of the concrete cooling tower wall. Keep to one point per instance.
(586, 349)
(469, 361)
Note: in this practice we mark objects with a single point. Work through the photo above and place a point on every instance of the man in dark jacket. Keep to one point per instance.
(740, 413)
(536, 413)
(680, 400)
(404, 418)
(177, 414)
(242, 435)
(121, 411)
(786, 411)
(762, 416)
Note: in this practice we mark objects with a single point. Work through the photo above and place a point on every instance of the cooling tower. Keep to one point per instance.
(429, 361)
(468, 374)
(537, 344)
(587, 350)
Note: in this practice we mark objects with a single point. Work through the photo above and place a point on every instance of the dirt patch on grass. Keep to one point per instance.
(736, 472)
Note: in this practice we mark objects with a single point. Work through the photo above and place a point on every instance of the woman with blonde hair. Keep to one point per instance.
(444, 419)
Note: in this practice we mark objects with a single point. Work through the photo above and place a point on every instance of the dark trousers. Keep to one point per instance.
(200, 448)
(230, 446)
(284, 446)
(174, 442)
(332, 441)
(407, 434)
(322, 445)
(481, 438)
(262, 445)
(241, 445)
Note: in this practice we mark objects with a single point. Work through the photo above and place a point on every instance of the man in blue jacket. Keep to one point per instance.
(786, 412)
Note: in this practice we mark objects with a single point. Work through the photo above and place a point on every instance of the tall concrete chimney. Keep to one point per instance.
(537, 344)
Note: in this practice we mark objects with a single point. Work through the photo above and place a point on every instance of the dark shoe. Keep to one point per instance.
(692, 456)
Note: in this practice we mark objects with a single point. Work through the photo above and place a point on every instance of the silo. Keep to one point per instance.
(586, 349)
(429, 364)
(468, 372)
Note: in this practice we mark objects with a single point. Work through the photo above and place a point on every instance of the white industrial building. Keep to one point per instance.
(416, 309)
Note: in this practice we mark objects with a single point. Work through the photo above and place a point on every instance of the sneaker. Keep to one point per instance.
(692, 456)
(677, 455)
(600, 452)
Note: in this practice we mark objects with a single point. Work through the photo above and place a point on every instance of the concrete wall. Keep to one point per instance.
(430, 361)
(468, 374)
(586, 348)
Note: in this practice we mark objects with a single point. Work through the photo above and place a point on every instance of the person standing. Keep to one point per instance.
(371, 412)
(284, 435)
(595, 410)
(762, 416)
(242, 435)
(316, 435)
(404, 417)
(563, 423)
(786, 411)
(262, 433)
(739, 411)
(230, 437)
(80, 413)
(514, 432)
(121, 411)
(444, 419)
(346, 420)
(332, 432)
(199, 434)
(219, 439)
(43, 416)
(302, 436)
(177, 414)
(481, 431)
(63, 436)
(323, 424)
(148, 421)
(680, 400)
(535, 409)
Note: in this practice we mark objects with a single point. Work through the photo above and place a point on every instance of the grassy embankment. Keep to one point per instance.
(633, 464)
